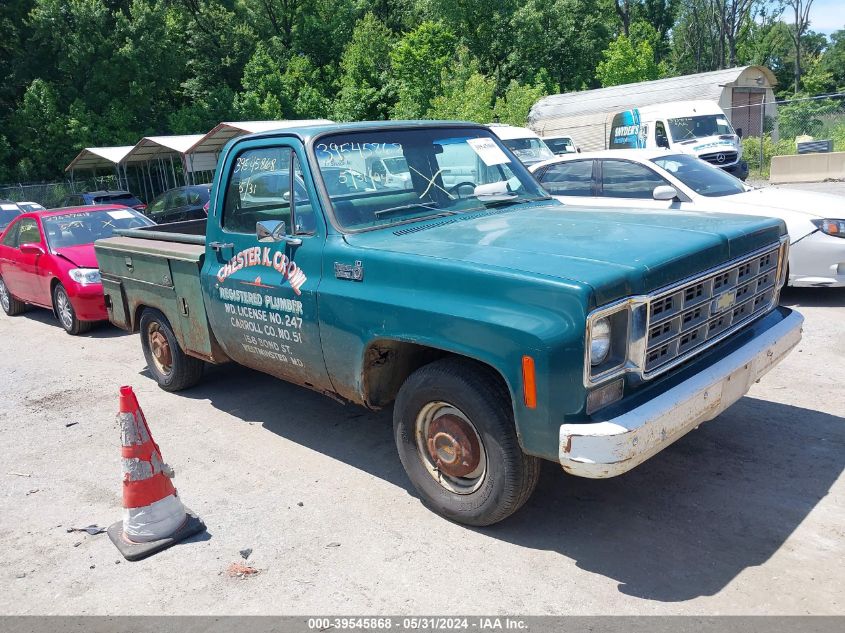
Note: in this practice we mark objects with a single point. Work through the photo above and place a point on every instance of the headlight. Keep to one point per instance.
(85, 276)
(600, 341)
(835, 228)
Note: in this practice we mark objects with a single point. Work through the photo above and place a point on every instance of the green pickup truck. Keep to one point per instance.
(503, 326)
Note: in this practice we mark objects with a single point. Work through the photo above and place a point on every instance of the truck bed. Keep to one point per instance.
(159, 268)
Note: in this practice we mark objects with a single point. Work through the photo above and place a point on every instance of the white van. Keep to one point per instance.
(528, 147)
(699, 128)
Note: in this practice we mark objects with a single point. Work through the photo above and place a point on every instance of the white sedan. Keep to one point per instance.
(662, 179)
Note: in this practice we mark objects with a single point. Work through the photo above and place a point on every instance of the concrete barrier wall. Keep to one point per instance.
(807, 168)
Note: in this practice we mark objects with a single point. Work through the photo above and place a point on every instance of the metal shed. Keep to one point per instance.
(586, 115)
(216, 139)
(156, 157)
(96, 158)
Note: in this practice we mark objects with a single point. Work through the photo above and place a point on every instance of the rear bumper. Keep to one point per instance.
(88, 302)
(607, 449)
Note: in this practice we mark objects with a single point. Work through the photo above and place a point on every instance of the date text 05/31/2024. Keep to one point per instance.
(422, 623)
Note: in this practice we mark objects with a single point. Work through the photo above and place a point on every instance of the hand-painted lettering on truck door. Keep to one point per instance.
(263, 285)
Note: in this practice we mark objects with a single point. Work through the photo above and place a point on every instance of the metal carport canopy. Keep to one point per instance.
(151, 147)
(99, 157)
(214, 141)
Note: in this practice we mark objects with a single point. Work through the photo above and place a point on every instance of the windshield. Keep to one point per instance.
(8, 212)
(126, 199)
(560, 145)
(73, 229)
(692, 127)
(529, 150)
(447, 171)
(700, 176)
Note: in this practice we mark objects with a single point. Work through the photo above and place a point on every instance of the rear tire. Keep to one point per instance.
(66, 314)
(10, 305)
(172, 368)
(456, 437)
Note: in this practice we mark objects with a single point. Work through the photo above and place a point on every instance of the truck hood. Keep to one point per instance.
(616, 253)
(81, 256)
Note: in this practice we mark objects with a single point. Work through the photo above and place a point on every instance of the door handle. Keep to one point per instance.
(219, 246)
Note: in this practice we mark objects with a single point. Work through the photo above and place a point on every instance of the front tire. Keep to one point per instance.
(456, 438)
(172, 368)
(10, 305)
(66, 314)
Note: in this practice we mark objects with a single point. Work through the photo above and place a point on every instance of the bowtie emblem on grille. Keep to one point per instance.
(723, 302)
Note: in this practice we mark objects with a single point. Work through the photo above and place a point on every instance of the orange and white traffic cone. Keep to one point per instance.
(153, 515)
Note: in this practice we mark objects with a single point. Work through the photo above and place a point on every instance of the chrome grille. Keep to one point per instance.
(682, 319)
(728, 158)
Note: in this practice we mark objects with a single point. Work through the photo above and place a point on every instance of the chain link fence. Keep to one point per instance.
(51, 194)
(789, 126)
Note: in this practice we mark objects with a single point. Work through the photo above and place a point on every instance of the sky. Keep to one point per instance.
(826, 16)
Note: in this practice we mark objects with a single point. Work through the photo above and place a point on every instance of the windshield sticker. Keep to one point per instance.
(120, 215)
(488, 151)
(71, 216)
(262, 256)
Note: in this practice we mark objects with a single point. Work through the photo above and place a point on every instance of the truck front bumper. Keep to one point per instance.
(612, 447)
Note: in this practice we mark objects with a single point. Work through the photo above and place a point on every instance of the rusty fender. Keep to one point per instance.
(610, 448)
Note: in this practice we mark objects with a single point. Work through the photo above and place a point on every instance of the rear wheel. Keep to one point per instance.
(66, 314)
(456, 437)
(10, 305)
(172, 368)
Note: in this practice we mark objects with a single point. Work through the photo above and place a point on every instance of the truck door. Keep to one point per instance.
(262, 277)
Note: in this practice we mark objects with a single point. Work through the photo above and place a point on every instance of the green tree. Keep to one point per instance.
(514, 106)
(466, 94)
(365, 87)
(833, 60)
(418, 61)
(625, 63)
(561, 39)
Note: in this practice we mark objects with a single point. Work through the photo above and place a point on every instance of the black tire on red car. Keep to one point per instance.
(10, 305)
(171, 367)
(455, 433)
(66, 314)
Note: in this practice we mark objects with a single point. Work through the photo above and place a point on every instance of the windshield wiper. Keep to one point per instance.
(514, 200)
(404, 207)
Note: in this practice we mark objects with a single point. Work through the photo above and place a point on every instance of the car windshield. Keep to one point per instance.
(529, 150)
(73, 229)
(126, 199)
(8, 212)
(396, 165)
(449, 171)
(700, 176)
(560, 145)
(692, 127)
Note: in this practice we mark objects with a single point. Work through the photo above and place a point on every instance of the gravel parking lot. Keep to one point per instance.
(743, 516)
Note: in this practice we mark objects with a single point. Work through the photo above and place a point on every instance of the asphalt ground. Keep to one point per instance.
(746, 515)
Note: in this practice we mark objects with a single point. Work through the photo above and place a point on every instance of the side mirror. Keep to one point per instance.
(274, 231)
(739, 132)
(664, 192)
(32, 249)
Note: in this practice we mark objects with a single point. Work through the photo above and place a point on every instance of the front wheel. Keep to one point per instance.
(66, 314)
(457, 441)
(10, 305)
(172, 368)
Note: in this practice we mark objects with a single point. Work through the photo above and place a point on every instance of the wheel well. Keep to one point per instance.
(53, 283)
(136, 316)
(388, 363)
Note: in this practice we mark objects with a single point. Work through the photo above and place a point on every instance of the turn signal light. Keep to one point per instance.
(529, 383)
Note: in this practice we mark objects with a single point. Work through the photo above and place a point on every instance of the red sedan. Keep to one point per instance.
(47, 259)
